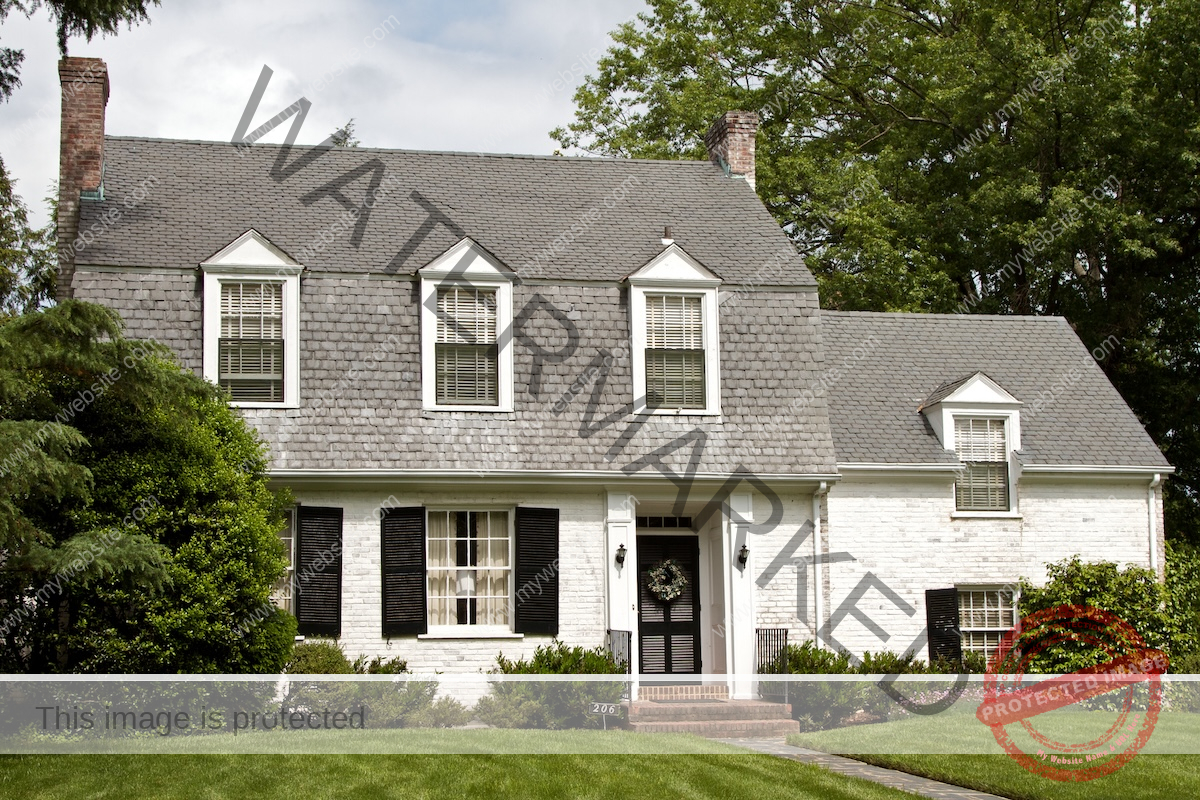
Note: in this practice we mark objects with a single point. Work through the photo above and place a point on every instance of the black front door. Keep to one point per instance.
(669, 630)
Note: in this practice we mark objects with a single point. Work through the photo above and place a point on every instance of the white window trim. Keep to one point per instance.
(712, 355)
(476, 631)
(483, 272)
(1012, 438)
(673, 271)
(1013, 588)
(288, 603)
(290, 278)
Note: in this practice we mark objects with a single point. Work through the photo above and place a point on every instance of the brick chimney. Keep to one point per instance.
(730, 143)
(84, 84)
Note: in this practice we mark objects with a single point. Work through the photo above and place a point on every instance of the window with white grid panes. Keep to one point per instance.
(984, 616)
(982, 445)
(469, 568)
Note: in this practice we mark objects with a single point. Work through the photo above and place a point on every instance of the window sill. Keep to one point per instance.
(237, 404)
(453, 633)
(680, 412)
(478, 409)
(985, 515)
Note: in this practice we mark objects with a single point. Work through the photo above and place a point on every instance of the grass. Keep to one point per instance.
(958, 749)
(487, 741)
(710, 771)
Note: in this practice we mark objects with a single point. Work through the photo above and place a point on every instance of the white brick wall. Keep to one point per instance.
(581, 583)
(775, 603)
(902, 531)
(899, 530)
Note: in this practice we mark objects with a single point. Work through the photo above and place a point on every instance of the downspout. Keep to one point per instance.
(818, 574)
(1152, 508)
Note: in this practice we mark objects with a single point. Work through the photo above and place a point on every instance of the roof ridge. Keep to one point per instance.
(468, 153)
(941, 315)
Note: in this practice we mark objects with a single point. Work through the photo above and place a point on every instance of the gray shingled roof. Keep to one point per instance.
(945, 390)
(202, 195)
(889, 363)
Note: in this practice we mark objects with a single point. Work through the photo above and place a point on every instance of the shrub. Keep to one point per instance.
(1133, 594)
(377, 666)
(399, 704)
(552, 705)
(558, 659)
(1183, 598)
(321, 657)
(817, 704)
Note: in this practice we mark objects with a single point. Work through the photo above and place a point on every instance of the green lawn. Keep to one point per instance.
(954, 747)
(410, 776)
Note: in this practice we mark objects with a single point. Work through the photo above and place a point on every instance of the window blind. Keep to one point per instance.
(983, 448)
(466, 354)
(250, 348)
(674, 352)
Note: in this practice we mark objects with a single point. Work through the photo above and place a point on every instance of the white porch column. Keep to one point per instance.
(741, 640)
(621, 579)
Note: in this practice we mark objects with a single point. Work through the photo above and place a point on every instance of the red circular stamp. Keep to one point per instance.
(1077, 745)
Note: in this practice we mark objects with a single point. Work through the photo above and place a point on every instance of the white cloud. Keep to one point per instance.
(470, 76)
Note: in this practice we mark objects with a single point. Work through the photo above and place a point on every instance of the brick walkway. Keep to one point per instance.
(922, 787)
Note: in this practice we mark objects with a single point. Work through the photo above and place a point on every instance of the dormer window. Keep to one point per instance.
(980, 422)
(252, 323)
(250, 352)
(675, 353)
(982, 446)
(466, 354)
(466, 331)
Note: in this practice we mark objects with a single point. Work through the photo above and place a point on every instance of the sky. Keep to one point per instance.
(473, 76)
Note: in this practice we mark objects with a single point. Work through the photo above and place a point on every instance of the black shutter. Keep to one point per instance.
(536, 571)
(403, 550)
(319, 571)
(941, 615)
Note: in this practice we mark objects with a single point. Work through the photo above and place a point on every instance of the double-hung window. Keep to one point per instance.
(469, 568)
(467, 352)
(250, 351)
(675, 351)
(252, 323)
(984, 616)
(982, 445)
(466, 332)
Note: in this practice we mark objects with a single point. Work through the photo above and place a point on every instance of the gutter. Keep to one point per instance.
(1152, 511)
(526, 475)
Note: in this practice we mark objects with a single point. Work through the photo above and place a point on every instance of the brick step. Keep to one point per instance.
(664, 693)
(723, 729)
(650, 711)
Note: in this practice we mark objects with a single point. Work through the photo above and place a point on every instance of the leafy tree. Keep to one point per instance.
(138, 530)
(84, 18)
(27, 261)
(27, 256)
(344, 136)
(990, 156)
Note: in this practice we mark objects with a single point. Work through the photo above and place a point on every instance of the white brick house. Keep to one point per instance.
(503, 389)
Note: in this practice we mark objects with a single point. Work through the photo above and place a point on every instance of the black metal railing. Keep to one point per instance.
(620, 645)
(771, 658)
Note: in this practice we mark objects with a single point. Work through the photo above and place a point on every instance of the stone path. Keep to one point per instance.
(922, 787)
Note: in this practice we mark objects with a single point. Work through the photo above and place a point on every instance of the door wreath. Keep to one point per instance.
(667, 580)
